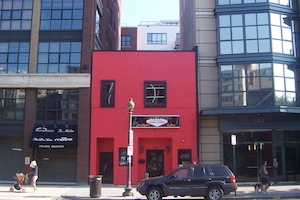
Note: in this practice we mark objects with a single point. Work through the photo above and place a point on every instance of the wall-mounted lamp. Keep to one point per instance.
(142, 149)
(167, 149)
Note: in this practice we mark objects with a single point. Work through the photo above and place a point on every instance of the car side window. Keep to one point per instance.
(208, 172)
(182, 173)
(199, 172)
(219, 171)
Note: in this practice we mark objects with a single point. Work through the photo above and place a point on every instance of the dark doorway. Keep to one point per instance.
(155, 162)
(106, 166)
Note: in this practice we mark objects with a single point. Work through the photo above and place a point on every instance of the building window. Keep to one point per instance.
(251, 33)
(98, 30)
(12, 104)
(15, 14)
(257, 84)
(281, 35)
(156, 38)
(107, 93)
(177, 42)
(155, 93)
(59, 57)
(57, 105)
(61, 15)
(125, 40)
(229, 2)
(14, 57)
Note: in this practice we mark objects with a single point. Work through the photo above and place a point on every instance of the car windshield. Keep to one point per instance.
(172, 172)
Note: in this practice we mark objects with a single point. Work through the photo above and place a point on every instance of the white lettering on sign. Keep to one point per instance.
(130, 151)
(64, 139)
(42, 139)
(185, 156)
(130, 137)
(43, 129)
(68, 130)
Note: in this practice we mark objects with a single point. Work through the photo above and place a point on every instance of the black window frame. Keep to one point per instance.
(57, 104)
(147, 91)
(125, 40)
(157, 38)
(12, 104)
(107, 94)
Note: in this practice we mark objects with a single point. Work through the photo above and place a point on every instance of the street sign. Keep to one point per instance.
(130, 151)
(130, 137)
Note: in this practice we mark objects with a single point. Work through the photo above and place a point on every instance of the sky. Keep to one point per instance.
(135, 11)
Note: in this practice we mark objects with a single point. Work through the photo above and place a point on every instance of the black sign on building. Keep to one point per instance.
(58, 137)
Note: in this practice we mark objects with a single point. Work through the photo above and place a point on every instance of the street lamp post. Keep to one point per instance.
(258, 146)
(233, 143)
(130, 107)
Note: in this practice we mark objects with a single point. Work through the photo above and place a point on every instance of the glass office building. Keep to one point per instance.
(248, 75)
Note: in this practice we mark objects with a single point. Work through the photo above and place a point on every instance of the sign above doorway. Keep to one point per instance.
(155, 121)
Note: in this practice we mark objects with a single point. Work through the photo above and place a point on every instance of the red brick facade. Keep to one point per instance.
(109, 125)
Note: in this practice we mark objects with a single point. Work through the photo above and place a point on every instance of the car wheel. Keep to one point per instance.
(214, 193)
(154, 193)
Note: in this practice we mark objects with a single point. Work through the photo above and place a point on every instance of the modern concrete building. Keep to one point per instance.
(163, 35)
(158, 36)
(248, 80)
(45, 64)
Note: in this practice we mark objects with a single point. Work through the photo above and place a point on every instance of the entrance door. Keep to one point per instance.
(106, 166)
(155, 162)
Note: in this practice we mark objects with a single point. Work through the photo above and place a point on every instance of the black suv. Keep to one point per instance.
(209, 181)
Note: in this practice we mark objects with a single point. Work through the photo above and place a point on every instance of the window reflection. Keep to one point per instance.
(228, 2)
(57, 104)
(12, 104)
(278, 69)
(14, 57)
(256, 30)
(15, 14)
(257, 86)
(263, 32)
(237, 47)
(56, 15)
(252, 46)
(59, 57)
(290, 84)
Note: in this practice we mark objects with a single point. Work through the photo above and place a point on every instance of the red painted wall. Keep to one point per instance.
(130, 70)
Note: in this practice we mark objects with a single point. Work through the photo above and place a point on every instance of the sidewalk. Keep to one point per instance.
(114, 192)
(245, 191)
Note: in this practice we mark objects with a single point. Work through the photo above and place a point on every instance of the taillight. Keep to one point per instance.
(232, 179)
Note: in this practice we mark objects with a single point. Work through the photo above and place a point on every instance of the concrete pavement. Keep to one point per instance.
(114, 192)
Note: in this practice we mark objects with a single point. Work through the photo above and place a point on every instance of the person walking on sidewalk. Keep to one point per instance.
(264, 177)
(35, 172)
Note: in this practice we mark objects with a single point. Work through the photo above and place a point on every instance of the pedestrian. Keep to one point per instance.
(35, 172)
(264, 177)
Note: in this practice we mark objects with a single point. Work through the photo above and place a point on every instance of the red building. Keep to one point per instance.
(164, 122)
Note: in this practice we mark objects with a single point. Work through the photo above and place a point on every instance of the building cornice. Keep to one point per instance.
(81, 80)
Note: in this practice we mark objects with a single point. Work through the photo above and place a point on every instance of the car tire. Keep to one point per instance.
(214, 193)
(154, 193)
